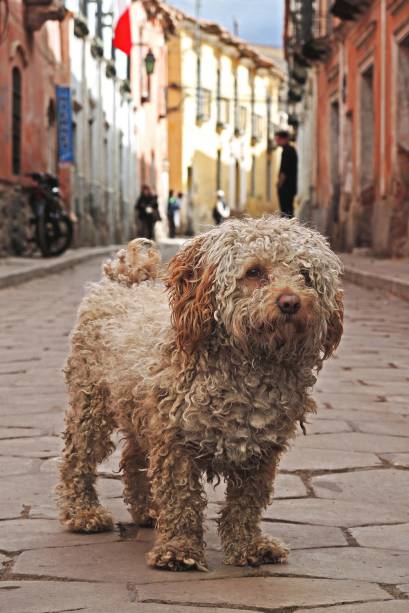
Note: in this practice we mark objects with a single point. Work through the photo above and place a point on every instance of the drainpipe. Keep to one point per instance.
(383, 99)
(198, 54)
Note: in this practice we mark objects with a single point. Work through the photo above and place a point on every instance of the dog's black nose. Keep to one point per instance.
(289, 303)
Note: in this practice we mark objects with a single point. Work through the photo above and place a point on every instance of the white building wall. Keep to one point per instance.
(105, 175)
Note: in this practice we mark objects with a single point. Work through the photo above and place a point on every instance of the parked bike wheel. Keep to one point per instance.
(54, 232)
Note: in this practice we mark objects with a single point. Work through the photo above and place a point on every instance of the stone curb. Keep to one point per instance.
(42, 268)
(372, 281)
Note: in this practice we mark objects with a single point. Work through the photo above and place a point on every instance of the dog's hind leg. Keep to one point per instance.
(134, 466)
(89, 425)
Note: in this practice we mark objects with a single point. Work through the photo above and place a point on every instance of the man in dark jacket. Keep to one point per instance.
(287, 178)
(147, 210)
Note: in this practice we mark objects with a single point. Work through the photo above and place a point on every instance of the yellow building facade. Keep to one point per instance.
(222, 115)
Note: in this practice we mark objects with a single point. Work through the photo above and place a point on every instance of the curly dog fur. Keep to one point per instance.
(210, 382)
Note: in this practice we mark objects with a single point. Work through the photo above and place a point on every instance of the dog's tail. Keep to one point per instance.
(139, 262)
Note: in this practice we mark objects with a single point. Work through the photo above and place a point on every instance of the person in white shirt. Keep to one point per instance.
(221, 210)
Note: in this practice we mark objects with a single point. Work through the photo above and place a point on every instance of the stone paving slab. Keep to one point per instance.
(369, 607)
(381, 413)
(384, 537)
(387, 426)
(404, 589)
(37, 447)
(296, 536)
(29, 493)
(397, 459)
(16, 466)
(50, 423)
(359, 563)
(23, 534)
(326, 459)
(52, 597)
(342, 513)
(115, 561)
(317, 425)
(355, 441)
(263, 592)
(13, 433)
(372, 486)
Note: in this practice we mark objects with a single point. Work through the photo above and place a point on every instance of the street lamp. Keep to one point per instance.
(150, 62)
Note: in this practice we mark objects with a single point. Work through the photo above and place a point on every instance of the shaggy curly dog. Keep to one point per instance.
(211, 382)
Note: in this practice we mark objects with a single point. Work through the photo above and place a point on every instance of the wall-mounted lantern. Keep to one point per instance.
(150, 60)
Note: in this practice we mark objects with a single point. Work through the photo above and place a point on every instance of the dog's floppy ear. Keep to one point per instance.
(334, 326)
(190, 282)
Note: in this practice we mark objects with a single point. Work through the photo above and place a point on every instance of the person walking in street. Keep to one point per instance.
(147, 210)
(221, 210)
(173, 213)
(287, 178)
(179, 201)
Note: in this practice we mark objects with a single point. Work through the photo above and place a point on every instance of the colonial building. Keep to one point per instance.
(222, 113)
(114, 115)
(349, 93)
(152, 24)
(33, 59)
(104, 182)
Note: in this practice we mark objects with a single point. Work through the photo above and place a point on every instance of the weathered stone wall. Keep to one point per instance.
(15, 215)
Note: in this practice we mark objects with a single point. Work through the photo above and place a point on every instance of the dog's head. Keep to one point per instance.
(269, 285)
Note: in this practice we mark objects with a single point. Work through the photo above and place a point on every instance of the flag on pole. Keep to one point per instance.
(121, 26)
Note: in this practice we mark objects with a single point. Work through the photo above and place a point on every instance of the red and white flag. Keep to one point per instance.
(121, 25)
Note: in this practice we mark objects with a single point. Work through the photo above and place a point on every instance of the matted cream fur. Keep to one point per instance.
(208, 378)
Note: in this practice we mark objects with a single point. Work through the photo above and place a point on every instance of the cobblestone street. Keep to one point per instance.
(341, 498)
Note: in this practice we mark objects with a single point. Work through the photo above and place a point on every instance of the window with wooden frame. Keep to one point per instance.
(204, 104)
(256, 128)
(241, 120)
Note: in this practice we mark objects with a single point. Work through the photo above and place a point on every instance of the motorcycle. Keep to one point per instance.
(53, 227)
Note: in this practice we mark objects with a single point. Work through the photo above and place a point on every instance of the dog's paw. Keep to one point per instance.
(91, 519)
(262, 550)
(177, 555)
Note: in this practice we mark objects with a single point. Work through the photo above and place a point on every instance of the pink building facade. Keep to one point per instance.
(33, 60)
(151, 23)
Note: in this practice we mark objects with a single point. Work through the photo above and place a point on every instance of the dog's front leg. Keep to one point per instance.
(248, 494)
(179, 499)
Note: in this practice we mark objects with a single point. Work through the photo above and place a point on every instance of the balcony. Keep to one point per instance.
(299, 73)
(295, 93)
(37, 12)
(310, 38)
(350, 10)
(240, 121)
(203, 101)
(271, 141)
(317, 49)
(223, 114)
(257, 122)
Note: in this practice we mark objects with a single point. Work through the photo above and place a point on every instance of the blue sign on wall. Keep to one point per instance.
(64, 123)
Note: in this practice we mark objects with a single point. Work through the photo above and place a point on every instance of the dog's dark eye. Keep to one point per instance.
(255, 273)
(305, 273)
